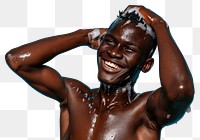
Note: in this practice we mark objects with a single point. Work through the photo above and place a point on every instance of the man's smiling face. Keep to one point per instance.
(122, 53)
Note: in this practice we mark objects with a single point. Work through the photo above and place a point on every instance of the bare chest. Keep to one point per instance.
(89, 121)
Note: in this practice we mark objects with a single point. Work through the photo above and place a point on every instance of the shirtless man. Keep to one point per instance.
(114, 111)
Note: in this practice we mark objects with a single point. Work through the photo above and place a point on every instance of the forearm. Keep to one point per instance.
(40, 52)
(174, 73)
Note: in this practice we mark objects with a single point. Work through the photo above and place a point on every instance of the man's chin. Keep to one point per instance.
(110, 80)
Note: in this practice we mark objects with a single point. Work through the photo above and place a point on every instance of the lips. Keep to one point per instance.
(110, 66)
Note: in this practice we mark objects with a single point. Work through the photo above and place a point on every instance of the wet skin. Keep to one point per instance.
(106, 110)
(108, 113)
(107, 117)
(127, 46)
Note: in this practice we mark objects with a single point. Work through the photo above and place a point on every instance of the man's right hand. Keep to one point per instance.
(95, 37)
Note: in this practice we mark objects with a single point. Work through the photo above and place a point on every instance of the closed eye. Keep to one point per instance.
(129, 49)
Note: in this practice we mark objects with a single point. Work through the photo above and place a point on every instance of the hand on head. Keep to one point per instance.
(149, 16)
(96, 36)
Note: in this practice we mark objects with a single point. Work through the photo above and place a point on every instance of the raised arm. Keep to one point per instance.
(169, 103)
(28, 62)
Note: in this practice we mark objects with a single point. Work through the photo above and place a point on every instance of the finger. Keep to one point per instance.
(94, 34)
(129, 7)
(146, 17)
(103, 30)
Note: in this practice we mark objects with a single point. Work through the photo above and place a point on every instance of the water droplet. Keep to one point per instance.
(188, 109)
(90, 106)
(117, 91)
(86, 95)
(123, 89)
(73, 87)
(83, 99)
(77, 89)
(168, 116)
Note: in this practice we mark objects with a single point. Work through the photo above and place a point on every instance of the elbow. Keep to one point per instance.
(12, 60)
(185, 91)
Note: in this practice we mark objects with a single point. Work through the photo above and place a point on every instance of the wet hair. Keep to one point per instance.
(133, 15)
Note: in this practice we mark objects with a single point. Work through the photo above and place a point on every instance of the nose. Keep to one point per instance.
(115, 52)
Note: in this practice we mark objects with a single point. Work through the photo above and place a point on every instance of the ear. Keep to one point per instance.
(147, 65)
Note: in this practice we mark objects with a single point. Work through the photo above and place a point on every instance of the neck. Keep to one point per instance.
(120, 94)
(117, 95)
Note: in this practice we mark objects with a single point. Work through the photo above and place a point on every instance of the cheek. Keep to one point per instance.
(102, 48)
(132, 60)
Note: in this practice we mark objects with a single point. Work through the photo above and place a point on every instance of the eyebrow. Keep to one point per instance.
(132, 43)
(111, 36)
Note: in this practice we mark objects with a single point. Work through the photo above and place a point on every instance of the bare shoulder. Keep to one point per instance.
(142, 98)
(76, 88)
(74, 84)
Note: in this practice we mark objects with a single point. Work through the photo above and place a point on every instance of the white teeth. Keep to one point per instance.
(111, 64)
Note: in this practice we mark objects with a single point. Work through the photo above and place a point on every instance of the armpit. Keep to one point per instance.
(64, 103)
(150, 124)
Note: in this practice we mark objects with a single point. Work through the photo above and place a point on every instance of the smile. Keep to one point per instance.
(110, 66)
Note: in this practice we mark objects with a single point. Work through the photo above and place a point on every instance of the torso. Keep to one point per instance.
(91, 120)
